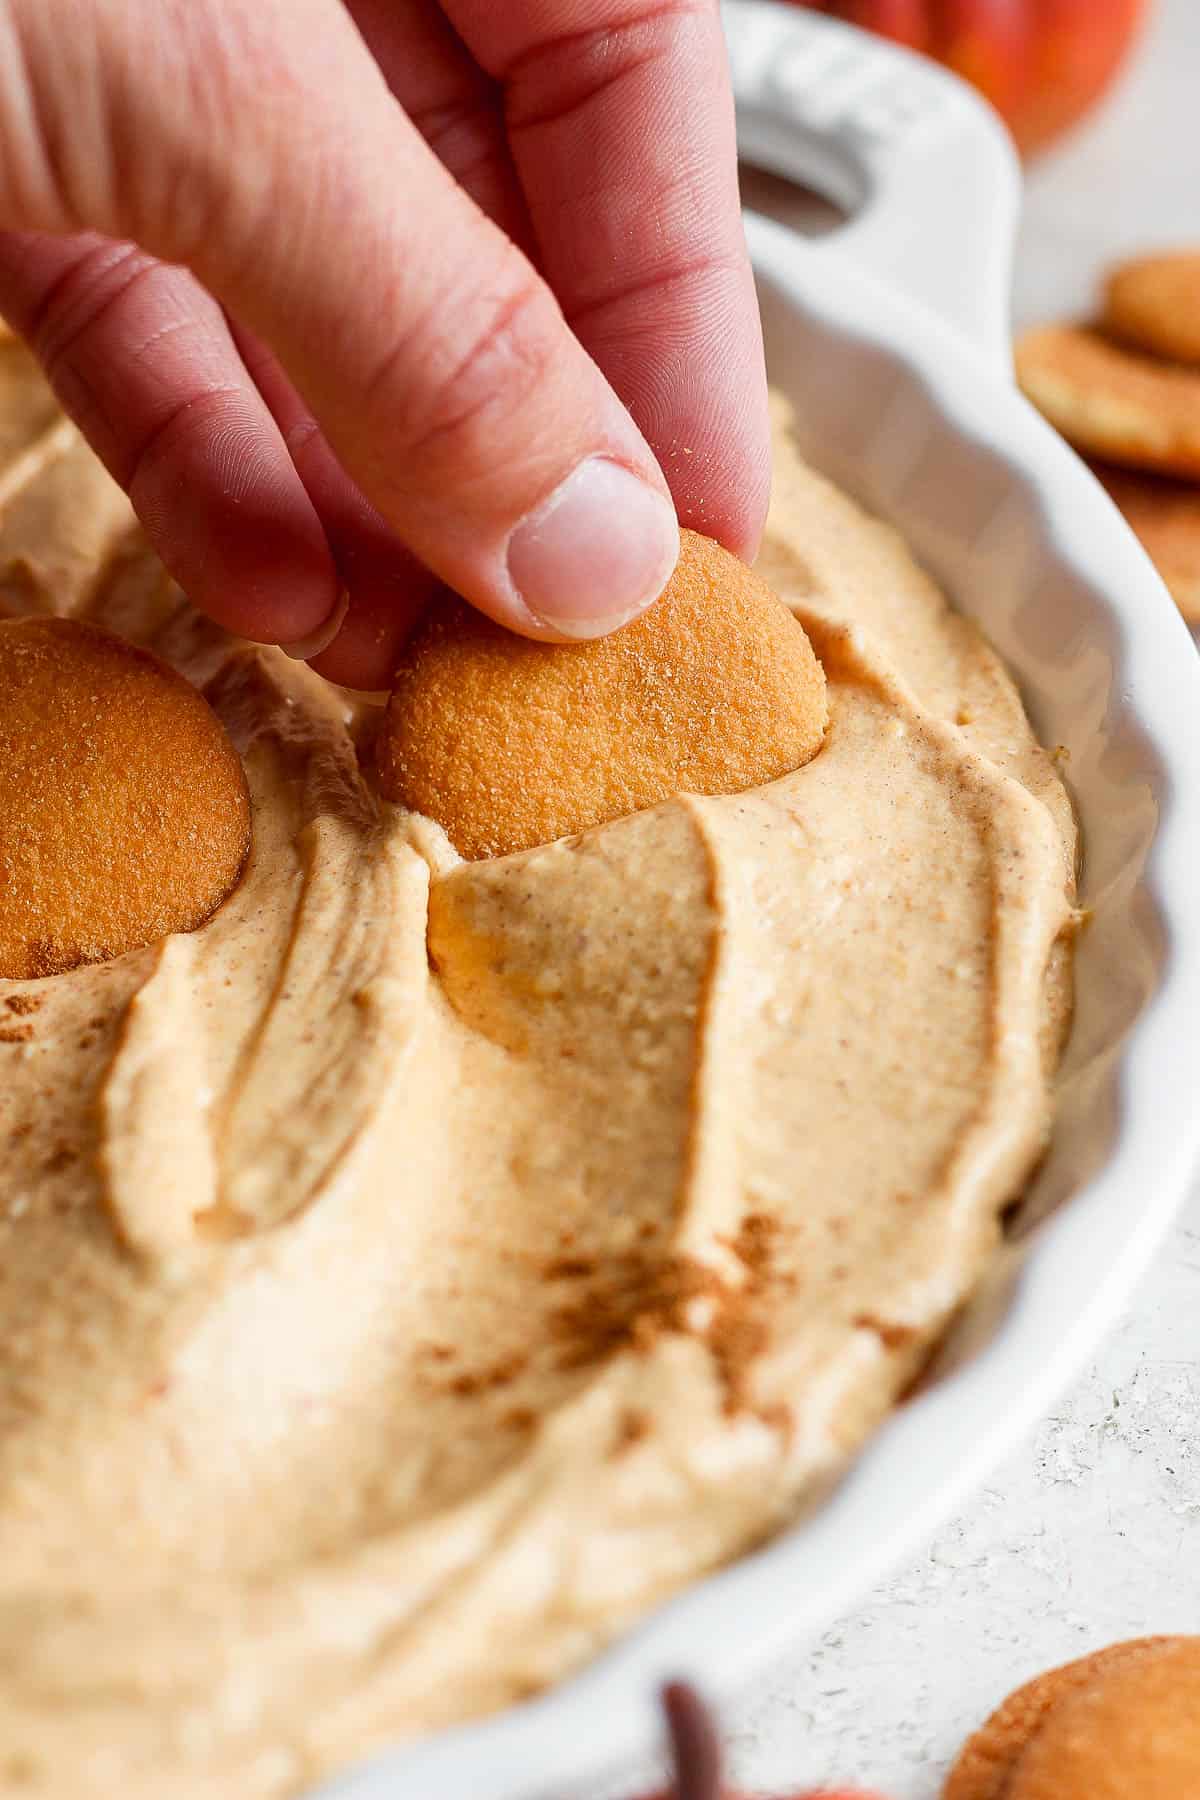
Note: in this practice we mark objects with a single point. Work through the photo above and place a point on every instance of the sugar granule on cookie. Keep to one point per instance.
(509, 743)
(124, 811)
(1099, 1728)
(1113, 402)
(1165, 515)
(1153, 302)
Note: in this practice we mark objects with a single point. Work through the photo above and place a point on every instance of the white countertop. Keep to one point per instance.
(1091, 1531)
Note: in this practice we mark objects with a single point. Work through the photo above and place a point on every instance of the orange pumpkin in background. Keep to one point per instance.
(1042, 63)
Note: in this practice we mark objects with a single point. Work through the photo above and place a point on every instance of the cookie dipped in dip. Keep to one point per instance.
(424, 1268)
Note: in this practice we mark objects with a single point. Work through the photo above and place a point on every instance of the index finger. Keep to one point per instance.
(620, 118)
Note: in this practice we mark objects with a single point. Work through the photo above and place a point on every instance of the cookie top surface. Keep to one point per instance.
(1111, 401)
(1153, 303)
(1135, 1729)
(124, 811)
(1066, 1726)
(509, 743)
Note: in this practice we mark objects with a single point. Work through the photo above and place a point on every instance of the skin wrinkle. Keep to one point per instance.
(466, 146)
(684, 193)
(82, 300)
(606, 26)
(486, 376)
(49, 173)
(244, 74)
(126, 456)
(168, 329)
(449, 124)
(658, 283)
(614, 71)
(98, 265)
(17, 182)
(435, 80)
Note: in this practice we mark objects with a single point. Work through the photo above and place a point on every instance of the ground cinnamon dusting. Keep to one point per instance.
(777, 1418)
(485, 1381)
(630, 1306)
(755, 1244)
(627, 1305)
(24, 1004)
(633, 1428)
(736, 1339)
(569, 1268)
(892, 1335)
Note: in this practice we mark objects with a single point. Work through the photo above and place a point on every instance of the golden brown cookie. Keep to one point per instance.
(996, 1762)
(1154, 304)
(1165, 515)
(124, 812)
(1134, 1730)
(1113, 402)
(509, 743)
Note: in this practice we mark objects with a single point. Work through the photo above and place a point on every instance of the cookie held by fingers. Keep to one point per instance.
(1113, 402)
(1124, 1721)
(124, 811)
(1153, 303)
(509, 743)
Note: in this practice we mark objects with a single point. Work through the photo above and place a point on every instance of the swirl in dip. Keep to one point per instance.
(423, 1269)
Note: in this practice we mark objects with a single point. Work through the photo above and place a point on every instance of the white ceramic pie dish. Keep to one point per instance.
(892, 336)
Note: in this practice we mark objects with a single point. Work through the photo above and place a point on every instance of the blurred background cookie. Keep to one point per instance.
(1113, 402)
(509, 743)
(1126, 392)
(1121, 1723)
(1153, 303)
(1165, 515)
(124, 811)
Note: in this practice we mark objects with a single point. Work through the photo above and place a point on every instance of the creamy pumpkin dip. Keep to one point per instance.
(425, 1268)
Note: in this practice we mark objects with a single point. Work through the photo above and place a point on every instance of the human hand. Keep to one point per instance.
(337, 290)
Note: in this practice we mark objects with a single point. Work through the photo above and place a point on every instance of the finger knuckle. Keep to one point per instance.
(496, 348)
(75, 323)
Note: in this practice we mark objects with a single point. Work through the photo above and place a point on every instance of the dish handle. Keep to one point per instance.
(923, 168)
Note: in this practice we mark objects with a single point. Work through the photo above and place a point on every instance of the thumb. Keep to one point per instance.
(256, 141)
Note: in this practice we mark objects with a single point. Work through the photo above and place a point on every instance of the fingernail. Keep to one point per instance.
(599, 551)
(304, 649)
